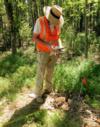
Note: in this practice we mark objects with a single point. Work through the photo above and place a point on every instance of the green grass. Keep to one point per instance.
(44, 118)
(10, 63)
(17, 71)
(68, 77)
(94, 102)
(63, 119)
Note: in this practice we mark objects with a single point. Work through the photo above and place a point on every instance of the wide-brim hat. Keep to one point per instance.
(54, 14)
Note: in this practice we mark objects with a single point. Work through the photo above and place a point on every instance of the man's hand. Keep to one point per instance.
(55, 51)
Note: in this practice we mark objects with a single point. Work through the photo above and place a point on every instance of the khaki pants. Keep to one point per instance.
(45, 68)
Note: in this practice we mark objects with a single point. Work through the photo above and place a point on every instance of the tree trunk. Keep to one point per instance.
(9, 11)
(98, 20)
(86, 30)
(17, 24)
(41, 7)
(35, 11)
(81, 22)
(30, 12)
(1, 29)
(46, 2)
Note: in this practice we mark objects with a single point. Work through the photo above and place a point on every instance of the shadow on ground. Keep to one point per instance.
(29, 113)
(32, 113)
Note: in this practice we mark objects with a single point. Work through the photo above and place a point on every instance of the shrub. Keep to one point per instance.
(69, 77)
(65, 77)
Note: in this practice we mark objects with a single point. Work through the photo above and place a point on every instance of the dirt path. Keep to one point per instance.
(8, 108)
(90, 117)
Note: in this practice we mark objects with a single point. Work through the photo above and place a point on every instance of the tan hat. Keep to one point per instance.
(54, 14)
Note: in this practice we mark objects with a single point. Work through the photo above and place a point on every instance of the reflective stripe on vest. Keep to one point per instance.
(47, 35)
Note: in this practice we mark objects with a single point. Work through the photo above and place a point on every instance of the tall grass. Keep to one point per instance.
(68, 77)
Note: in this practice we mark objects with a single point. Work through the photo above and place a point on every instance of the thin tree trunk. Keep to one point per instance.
(81, 22)
(17, 24)
(86, 30)
(1, 28)
(41, 7)
(35, 11)
(2, 44)
(30, 13)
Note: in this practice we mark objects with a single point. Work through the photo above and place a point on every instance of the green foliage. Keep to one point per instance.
(22, 6)
(10, 63)
(19, 70)
(74, 20)
(92, 73)
(23, 77)
(94, 102)
(69, 35)
(16, 72)
(2, 10)
(22, 74)
(40, 116)
(86, 68)
(4, 84)
(60, 119)
(79, 43)
(25, 31)
(68, 77)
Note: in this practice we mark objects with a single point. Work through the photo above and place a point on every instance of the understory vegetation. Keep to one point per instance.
(19, 70)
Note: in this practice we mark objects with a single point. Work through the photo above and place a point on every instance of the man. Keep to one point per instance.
(46, 36)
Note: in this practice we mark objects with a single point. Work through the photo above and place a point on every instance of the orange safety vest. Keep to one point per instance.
(47, 35)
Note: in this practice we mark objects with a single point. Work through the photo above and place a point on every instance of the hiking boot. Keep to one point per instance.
(39, 99)
(46, 92)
